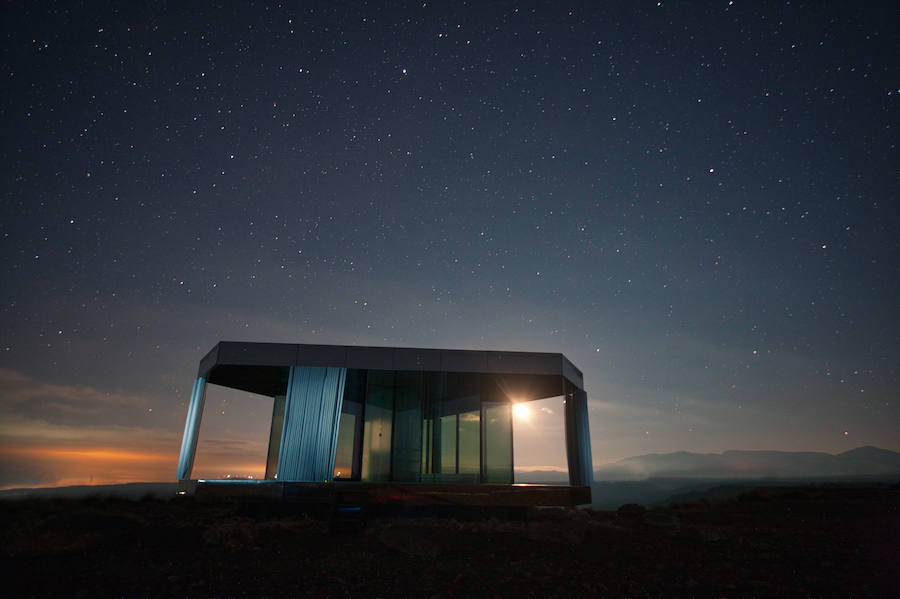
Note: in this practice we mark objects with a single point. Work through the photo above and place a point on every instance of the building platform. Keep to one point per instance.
(389, 493)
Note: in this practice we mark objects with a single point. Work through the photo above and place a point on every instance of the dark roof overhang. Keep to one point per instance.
(261, 367)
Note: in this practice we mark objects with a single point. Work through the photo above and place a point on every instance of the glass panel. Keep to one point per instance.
(470, 444)
(453, 400)
(497, 443)
(234, 438)
(447, 464)
(539, 448)
(464, 399)
(427, 441)
(407, 438)
(350, 434)
(343, 460)
(275, 437)
(433, 384)
(376, 458)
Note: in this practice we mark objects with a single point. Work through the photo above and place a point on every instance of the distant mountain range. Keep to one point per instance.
(124, 491)
(863, 461)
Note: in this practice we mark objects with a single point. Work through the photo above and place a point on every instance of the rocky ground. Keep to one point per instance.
(824, 541)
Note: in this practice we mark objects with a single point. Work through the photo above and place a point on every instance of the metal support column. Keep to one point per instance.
(578, 438)
(191, 429)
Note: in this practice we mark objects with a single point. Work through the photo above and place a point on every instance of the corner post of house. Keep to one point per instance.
(578, 438)
(192, 429)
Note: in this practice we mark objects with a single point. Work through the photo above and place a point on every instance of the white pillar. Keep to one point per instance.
(191, 429)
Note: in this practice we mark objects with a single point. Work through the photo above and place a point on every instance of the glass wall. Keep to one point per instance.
(379, 415)
(275, 437)
(233, 441)
(447, 443)
(469, 460)
(433, 385)
(497, 443)
(451, 441)
(407, 446)
(423, 427)
(350, 429)
(405, 426)
(539, 433)
(464, 398)
(343, 457)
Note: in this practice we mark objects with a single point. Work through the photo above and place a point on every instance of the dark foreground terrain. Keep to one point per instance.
(828, 541)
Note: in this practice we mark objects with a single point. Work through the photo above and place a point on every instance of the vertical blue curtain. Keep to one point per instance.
(312, 413)
(191, 429)
(578, 439)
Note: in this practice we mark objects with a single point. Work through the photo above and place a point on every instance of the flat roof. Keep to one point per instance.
(244, 353)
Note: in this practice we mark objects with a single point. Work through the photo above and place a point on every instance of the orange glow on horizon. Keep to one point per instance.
(59, 466)
(116, 455)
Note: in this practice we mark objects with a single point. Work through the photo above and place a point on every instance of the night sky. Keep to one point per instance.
(697, 203)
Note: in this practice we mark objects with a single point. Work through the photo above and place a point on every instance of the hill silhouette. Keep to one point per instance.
(865, 461)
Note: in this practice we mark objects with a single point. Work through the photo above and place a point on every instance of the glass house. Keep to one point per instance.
(392, 415)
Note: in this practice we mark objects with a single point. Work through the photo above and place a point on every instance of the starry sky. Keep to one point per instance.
(697, 203)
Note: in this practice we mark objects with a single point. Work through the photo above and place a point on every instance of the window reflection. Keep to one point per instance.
(379, 412)
(423, 427)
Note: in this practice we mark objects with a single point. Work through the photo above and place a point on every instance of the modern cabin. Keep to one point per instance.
(417, 424)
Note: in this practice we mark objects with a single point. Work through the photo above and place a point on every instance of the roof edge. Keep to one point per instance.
(254, 353)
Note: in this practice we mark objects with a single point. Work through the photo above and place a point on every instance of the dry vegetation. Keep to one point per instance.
(774, 542)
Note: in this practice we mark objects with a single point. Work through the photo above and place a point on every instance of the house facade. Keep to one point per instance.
(392, 415)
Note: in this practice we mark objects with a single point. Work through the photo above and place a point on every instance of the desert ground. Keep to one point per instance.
(817, 541)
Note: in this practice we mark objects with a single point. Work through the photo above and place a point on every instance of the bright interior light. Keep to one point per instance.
(521, 411)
